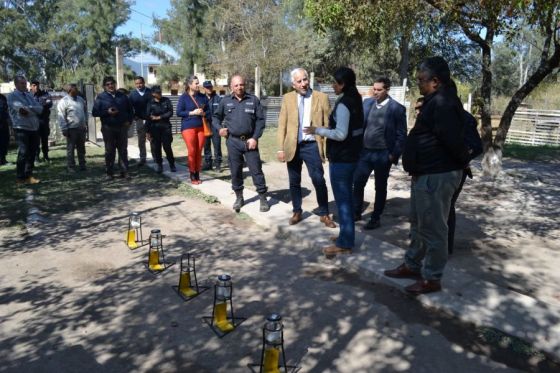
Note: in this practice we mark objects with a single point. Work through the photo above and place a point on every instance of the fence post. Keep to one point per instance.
(258, 82)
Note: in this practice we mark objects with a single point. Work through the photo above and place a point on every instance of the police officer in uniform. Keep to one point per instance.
(240, 119)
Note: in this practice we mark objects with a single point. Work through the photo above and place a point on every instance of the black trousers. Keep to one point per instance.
(44, 132)
(162, 136)
(28, 142)
(451, 219)
(4, 141)
(76, 140)
(237, 151)
(115, 139)
(214, 141)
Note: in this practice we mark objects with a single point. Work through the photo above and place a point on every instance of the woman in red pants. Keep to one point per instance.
(192, 106)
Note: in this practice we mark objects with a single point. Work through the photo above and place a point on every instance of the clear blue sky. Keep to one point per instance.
(140, 21)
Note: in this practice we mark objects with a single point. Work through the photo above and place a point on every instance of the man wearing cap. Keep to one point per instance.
(44, 99)
(139, 99)
(301, 108)
(214, 140)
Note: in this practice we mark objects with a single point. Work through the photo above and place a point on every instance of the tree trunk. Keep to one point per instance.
(546, 66)
(405, 57)
(486, 95)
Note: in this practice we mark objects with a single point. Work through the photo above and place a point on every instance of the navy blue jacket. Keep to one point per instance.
(241, 118)
(185, 105)
(140, 103)
(395, 125)
(104, 101)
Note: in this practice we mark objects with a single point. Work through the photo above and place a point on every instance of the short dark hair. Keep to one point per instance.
(35, 82)
(386, 82)
(19, 77)
(436, 67)
(156, 89)
(140, 78)
(69, 86)
(108, 79)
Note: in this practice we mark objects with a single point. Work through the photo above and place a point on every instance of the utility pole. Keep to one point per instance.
(120, 71)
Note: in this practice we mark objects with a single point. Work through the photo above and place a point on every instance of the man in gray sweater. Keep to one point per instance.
(24, 112)
(72, 119)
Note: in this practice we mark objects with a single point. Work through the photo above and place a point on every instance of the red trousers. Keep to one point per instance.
(194, 139)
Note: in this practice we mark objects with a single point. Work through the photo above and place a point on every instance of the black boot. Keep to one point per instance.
(239, 202)
(264, 203)
(193, 177)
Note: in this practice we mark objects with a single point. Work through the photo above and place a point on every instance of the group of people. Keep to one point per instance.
(357, 137)
(371, 136)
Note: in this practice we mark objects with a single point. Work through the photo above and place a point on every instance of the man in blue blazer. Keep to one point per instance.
(384, 137)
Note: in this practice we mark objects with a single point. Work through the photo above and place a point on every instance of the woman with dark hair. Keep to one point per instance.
(158, 128)
(192, 106)
(344, 143)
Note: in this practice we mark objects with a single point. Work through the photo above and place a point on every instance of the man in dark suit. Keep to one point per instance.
(384, 137)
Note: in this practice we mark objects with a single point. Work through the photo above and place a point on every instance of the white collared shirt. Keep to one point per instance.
(385, 102)
(306, 115)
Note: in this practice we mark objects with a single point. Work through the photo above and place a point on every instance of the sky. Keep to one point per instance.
(140, 22)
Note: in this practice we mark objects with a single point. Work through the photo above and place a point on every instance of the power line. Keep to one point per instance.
(142, 14)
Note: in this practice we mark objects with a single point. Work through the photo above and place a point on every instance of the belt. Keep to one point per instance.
(242, 137)
(307, 142)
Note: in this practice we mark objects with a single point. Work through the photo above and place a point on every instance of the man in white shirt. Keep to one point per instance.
(72, 119)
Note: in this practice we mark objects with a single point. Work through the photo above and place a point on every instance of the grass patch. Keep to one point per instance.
(267, 147)
(506, 341)
(532, 153)
(62, 192)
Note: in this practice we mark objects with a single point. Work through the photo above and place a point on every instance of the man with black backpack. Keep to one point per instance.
(435, 155)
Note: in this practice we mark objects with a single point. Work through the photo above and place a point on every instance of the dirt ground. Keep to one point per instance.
(507, 230)
(74, 298)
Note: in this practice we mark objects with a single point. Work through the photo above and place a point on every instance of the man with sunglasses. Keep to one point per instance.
(116, 113)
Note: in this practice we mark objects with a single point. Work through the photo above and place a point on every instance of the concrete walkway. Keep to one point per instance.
(464, 296)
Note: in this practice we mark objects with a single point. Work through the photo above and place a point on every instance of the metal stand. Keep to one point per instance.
(188, 271)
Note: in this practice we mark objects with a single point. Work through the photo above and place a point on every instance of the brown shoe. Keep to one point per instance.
(424, 287)
(296, 218)
(334, 250)
(325, 219)
(32, 180)
(333, 238)
(403, 271)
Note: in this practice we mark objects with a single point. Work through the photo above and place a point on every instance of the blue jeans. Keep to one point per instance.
(308, 152)
(378, 162)
(430, 201)
(342, 175)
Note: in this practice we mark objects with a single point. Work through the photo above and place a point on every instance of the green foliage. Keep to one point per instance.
(532, 153)
(58, 41)
(225, 37)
